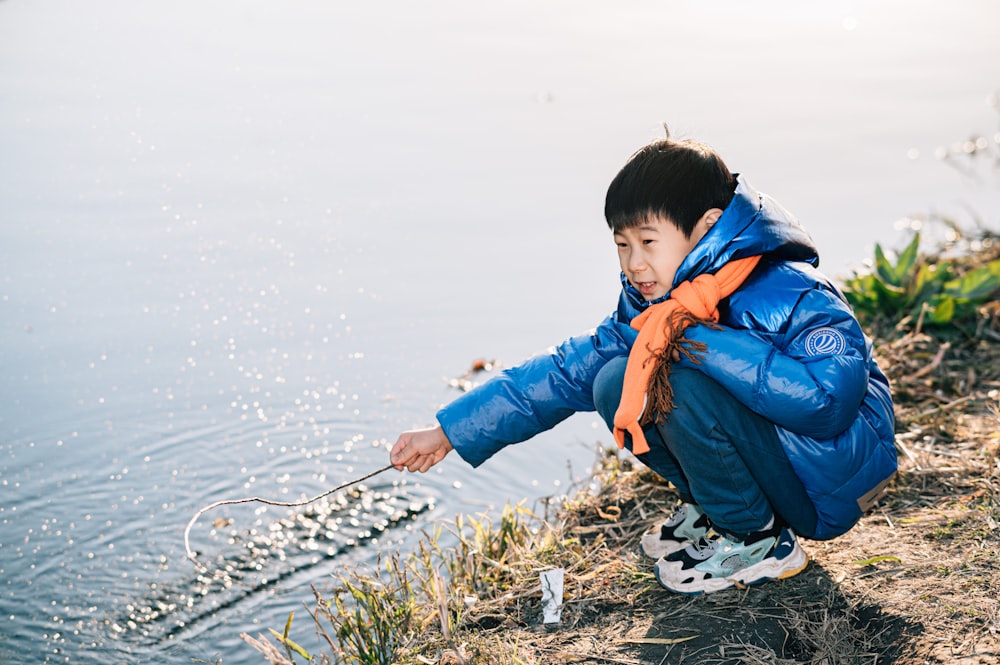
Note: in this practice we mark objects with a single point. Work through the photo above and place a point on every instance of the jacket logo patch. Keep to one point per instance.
(825, 341)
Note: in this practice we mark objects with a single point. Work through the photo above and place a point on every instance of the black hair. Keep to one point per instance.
(676, 179)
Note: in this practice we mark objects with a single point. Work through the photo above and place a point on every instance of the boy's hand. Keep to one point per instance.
(419, 450)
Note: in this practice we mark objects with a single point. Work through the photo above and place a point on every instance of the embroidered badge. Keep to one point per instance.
(825, 341)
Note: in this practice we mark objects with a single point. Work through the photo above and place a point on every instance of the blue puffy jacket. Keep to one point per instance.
(788, 347)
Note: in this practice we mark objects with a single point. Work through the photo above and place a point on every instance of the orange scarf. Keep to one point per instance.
(661, 329)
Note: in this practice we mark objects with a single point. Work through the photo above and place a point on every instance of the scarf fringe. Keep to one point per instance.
(659, 391)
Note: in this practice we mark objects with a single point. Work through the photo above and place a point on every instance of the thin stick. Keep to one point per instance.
(935, 361)
(256, 499)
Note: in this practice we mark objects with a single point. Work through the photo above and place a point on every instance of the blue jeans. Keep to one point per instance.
(717, 453)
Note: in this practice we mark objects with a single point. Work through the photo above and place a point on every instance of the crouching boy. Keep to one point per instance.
(731, 367)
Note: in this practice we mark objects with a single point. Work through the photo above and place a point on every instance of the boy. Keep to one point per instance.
(731, 367)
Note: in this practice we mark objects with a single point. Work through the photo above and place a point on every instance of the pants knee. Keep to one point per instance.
(608, 389)
(691, 385)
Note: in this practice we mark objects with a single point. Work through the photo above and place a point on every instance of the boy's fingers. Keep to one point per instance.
(409, 458)
(401, 454)
(418, 451)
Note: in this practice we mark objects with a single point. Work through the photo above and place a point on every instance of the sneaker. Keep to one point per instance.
(716, 562)
(685, 526)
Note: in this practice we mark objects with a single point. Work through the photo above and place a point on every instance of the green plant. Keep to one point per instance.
(371, 617)
(290, 646)
(921, 289)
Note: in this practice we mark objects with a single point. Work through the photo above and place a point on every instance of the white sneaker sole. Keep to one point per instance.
(766, 571)
(656, 548)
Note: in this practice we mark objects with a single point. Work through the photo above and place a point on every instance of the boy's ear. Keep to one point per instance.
(704, 224)
(711, 216)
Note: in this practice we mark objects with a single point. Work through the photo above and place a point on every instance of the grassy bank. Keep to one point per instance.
(917, 581)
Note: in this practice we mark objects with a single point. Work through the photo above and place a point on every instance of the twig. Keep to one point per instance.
(938, 409)
(906, 451)
(934, 364)
(269, 651)
(595, 656)
(256, 499)
(936, 451)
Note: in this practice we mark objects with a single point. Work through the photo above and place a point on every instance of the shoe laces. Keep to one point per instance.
(678, 516)
(707, 543)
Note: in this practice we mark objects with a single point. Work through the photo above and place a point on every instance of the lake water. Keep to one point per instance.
(244, 244)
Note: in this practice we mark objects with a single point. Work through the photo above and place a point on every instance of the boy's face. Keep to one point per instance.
(651, 252)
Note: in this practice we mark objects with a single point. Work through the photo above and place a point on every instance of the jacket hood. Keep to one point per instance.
(753, 223)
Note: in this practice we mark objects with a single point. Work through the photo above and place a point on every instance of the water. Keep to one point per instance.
(243, 245)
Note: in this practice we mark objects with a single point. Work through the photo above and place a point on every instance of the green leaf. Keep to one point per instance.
(883, 268)
(893, 291)
(904, 266)
(976, 285)
(897, 275)
(290, 644)
(858, 289)
(926, 284)
(891, 299)
(942, 309)
(878, 559)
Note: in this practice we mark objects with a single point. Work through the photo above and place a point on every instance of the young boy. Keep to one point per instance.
(731, 367)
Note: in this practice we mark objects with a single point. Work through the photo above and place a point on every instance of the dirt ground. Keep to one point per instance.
(916, 582)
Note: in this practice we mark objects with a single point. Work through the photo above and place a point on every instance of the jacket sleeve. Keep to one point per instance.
(809, 379)
(534, 396)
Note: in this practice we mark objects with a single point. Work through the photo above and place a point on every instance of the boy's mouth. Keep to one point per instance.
(646, 288)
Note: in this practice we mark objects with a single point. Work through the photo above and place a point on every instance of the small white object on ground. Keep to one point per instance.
(552, 595)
